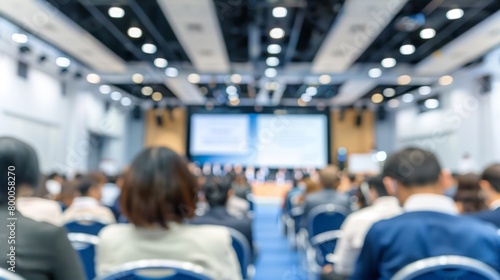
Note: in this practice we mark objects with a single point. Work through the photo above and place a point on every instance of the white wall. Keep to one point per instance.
(56, 124)
(468, 122)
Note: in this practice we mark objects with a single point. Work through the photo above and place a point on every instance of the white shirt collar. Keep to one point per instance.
(84, 202)
(430, 202)
(495, 204)
(386, 201)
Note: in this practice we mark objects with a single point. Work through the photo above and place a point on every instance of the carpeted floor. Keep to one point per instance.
(276, 260)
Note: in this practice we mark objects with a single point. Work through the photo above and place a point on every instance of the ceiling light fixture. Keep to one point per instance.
(231, 90)
(274, 49)
(377, 98)
(374, 73)
(19, 38)
(125, 101)
(236, 78)
(325, 79)
(147, 91)
(311, 91)
(431, 103)
(404, 80)
(157, 96)
(134, 32)
(137, 78)
(63, 61)
(407, 49)
(388, 62)
(454, 14)
(93, 78)
(116, 95)
(116, 12)
(272, 61)
(393, 103)
(171, 72)
(279, 12)
(408, 97)
(105, 89)
(424, 90)
(305, 97)
(427, 33)
(277, 33)
(270, 72)
(160, 62)
(446, 80)
(389, 92)
(149, 48)
(194, 78)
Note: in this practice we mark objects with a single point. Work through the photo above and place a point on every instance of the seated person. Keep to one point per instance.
(329, 181)
(490, 184)
(430, 225)
(357, 225)
(87, 203)
(217, 193)
(42, 250)
(158, 194)
(468, 196)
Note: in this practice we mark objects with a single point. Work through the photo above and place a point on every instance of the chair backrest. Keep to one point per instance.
(85, 245)
(7, 275)
(447, 267)
(243, 250)
(326, 217)
(157, 270)
(86, 225)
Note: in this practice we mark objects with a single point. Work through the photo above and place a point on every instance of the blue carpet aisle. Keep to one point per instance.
(276, 260)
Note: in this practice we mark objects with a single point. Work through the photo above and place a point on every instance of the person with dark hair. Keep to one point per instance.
(329, 180)
(468, 197)
(41, 251)
(87, 203)
(159, 194)
(490, 184)
(218, 191)
(357, 224)
(430, 225)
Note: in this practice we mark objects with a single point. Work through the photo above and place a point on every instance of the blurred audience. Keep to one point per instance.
(309, 187)
(159, 193)
(490, 185)
(87, 204)
(42, 251)
(468, 197)
(430, 225)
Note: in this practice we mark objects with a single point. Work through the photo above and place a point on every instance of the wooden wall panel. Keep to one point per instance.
(345, 132)
(171, 134)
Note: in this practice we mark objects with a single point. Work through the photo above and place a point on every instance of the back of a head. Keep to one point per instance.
(216, 190)
(20, 159)
(469, 193)
(377, 184)
(413, 167)
(158, 188)
(492, 175)
(329, 177)
(85, 182)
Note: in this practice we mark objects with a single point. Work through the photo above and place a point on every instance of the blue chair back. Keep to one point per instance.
(242, 249)
(85, 245)
(7, 275)
(157, 270)
(84, 225)
(447, 267)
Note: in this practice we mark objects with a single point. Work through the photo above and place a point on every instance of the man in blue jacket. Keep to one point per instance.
(490, 184)
(430, 225)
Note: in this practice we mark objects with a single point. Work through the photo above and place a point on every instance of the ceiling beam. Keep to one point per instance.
(196, 25)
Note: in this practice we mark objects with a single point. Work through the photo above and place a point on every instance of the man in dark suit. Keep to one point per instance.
(329, 180)
(430, 225)
(34, 250)
(490, 184)
(217, 192)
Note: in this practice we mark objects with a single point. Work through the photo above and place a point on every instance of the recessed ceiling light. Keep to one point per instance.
(137, 78)
(233, 97)
(270, 72)
(301, 103)
(407, 49)
(374, 73)
(377, 98)
(404, 80)
(311, 91)
(408, 97)
(134, 32)
(272, 85)
(116, 12)
(93, 78)
(280, 12)
(305, 97)
(63, 61)
(424, 90)
(125, 101)
(454, 14)
(171, 72)
(105, 89)
(236, 78)
(427, 33)
(160, 62)
(148, 48)
(147, 91)
(19, 38)
(116, 95)
(431, 103)
(389, 92)
(157, 96)
(231, 90)
(393, 103)
(234, 102)
(277, 33)
(272, 61)
(274, 49)
(194, 78)
(446, 80)
(388, 62)
(325, 79)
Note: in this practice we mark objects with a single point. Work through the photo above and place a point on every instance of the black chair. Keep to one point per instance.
(157, 270)
(447, 267)
(242, 249)
(85, 245)
(86, 225)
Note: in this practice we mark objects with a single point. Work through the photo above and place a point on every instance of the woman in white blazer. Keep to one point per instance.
(158, 194)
